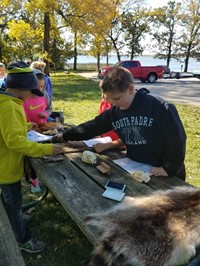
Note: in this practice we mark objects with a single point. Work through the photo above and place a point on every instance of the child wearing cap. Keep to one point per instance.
(38, 108)
(21, 83)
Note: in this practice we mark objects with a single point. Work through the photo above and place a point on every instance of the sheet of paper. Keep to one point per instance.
(92, 142)
(132, 166)
(113, 194)
(37, 137)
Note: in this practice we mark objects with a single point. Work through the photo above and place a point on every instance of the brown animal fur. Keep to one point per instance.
(48, 125)
(162, 229)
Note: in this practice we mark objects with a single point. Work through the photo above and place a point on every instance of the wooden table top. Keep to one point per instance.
(79, 186)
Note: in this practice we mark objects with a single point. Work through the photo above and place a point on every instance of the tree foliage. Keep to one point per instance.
(34, 30)
(166, 20)
(135, 24)
(189, 41)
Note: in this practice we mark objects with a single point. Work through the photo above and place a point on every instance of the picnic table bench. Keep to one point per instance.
(10, 254)
(79, 186)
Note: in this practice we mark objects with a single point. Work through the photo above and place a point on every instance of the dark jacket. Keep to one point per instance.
(150, 128)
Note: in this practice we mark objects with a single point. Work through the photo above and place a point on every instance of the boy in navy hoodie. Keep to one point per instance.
(149, 126)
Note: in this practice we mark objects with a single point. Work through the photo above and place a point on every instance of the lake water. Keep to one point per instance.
(176, 66)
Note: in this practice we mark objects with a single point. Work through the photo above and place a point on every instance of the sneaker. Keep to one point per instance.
(26, 217)
(32, 246)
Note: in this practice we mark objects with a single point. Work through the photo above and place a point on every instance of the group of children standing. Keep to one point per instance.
(38, 108)
(22, 84)
(149, 126)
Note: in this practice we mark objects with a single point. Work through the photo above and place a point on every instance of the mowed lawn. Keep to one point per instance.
(79, 99)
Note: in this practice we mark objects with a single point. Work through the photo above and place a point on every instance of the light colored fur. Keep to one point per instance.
(162, 229)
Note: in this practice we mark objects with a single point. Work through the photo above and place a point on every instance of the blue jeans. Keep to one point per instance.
(11, 197)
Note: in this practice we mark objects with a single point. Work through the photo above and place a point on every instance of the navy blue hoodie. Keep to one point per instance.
(150, 128)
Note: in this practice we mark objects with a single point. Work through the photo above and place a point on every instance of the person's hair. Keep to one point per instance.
(40, 76)
(117, 79)
(38, 65)
(2, 65)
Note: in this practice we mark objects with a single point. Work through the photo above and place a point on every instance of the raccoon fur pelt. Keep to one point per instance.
(162, 229)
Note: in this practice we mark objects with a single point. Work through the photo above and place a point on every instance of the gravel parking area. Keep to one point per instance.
(184, 90)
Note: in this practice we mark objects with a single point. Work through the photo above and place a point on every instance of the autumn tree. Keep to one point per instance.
(190, 34)
(3, 24)
(135, 25)
(88, 17)
(166, 21)
(123, 31)
(7, 13)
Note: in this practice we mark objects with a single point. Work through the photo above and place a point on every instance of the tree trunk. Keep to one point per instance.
(2, 26)
(115, 47)
(98, 61)
(170, 47)
(46, 39)
(169, 55)
(132, 52)
(75, 51)
(1, 56)
(54, 55)
(187, 57)
(107, 58)
(118, 56)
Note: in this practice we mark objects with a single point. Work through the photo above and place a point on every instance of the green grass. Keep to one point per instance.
(87, 67)
(190, 116)
(79, 98)
(65, 243)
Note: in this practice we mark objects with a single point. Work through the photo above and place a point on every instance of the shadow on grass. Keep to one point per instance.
(65, 243)
(74, 88)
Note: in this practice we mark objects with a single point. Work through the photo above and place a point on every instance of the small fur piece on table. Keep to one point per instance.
(162, 229)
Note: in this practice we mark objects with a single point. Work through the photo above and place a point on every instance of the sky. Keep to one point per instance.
(157, 3)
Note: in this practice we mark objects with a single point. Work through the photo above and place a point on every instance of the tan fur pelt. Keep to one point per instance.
(162, 229)
(48, 125)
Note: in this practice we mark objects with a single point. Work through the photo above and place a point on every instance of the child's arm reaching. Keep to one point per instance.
(99, 147)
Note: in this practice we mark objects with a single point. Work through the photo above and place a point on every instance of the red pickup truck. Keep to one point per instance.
(144, 73)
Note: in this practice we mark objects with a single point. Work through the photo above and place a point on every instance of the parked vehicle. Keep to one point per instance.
(167, 71)
(144, 73)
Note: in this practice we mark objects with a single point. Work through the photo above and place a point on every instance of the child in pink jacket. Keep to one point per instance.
(38, 109)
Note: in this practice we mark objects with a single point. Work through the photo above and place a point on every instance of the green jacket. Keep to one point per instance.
(13, 140)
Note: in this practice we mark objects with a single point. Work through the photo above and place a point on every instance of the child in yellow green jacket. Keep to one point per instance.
(21, 83)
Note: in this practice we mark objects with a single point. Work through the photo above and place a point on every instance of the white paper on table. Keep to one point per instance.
(132, 166)
(114, 194)
(37, 137)
(92, 142)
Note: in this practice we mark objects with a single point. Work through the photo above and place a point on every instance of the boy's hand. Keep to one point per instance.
(58, 138)
(34, 126)
(99, 147)
(57, 149)
(158, 171)
(42, 114)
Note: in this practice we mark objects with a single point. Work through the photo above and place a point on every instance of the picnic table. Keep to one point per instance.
(78, 186)
(10, 254)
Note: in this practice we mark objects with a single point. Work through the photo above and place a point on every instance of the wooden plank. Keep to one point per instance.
(119, 175)
(10, 254)
(77, 193)
(156, 182)
(159, 182)
(133, 188)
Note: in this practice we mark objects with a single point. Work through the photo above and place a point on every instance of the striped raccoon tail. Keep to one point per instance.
(103, 254)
